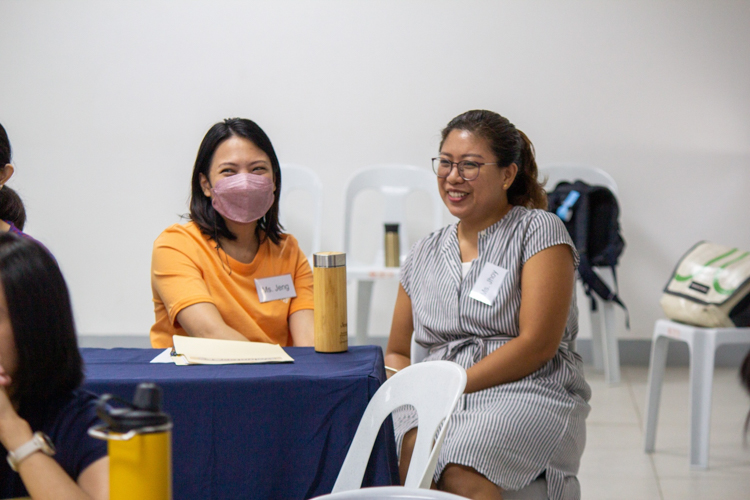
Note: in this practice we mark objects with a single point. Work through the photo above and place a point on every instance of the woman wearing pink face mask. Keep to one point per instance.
(208, 276)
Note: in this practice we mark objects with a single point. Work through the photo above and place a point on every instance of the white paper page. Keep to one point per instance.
(164, 357)
(228, 352)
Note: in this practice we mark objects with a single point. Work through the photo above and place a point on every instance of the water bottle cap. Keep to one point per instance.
(144, 412)
(329, 259)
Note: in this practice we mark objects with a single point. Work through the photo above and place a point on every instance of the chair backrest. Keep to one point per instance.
(298, 177)
(395, 182)
(433, 389)
(571, 172)
(392, 492)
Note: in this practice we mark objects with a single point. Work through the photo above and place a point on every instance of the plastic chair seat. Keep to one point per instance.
(702, 344)
(391, 492)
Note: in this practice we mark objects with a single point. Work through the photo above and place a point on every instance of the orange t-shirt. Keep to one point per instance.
(187, 269)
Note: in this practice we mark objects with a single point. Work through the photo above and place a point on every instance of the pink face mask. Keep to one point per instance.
(242, 198)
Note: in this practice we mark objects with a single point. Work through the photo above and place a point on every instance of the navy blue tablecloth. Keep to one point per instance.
(258, 431)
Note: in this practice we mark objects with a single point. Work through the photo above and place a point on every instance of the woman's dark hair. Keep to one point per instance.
(509, 145)
(202, 212)
(745, 378)
(11, 206)
(49, 363)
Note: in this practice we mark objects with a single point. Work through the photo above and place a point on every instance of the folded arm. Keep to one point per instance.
(42, 475)
(547, 282)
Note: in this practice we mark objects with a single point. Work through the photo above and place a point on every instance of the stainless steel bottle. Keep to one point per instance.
(392, 246)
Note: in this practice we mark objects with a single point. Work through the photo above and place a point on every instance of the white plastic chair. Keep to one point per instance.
(391, 492)
(433, 389)
(395, 182)
(537, 490)
(702, 344)
(604, 348)
(298, 177)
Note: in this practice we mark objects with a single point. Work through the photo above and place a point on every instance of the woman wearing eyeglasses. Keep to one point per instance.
(495, 293)
(208, 276)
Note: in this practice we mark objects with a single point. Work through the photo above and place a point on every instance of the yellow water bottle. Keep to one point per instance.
(139, 443)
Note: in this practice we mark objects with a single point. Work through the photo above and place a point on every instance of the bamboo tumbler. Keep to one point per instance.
(329, 294)
(392, 246)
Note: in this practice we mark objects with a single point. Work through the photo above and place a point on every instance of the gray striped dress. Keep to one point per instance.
(511, 433)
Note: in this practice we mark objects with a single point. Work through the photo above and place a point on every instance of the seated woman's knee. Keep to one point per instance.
(468, 482)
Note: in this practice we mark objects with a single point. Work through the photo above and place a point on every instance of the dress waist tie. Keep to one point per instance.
(452, 348)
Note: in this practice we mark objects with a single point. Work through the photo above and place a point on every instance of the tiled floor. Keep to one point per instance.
(614, 465)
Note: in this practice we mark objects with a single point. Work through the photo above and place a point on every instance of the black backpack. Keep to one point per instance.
(591, 218)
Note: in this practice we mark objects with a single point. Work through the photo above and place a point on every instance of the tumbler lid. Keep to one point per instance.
(144, 413)
(329, 259)
(391, 227)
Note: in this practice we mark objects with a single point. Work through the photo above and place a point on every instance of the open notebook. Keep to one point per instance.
(198, 351)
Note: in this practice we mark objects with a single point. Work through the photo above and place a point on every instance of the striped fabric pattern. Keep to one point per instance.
(514, 432)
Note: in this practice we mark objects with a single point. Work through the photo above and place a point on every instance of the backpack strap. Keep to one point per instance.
(592, 282)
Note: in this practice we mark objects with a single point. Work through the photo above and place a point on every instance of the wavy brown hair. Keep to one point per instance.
(509, 145)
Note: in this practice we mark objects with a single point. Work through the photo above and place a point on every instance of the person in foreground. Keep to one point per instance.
(523, 412)
(44, 415)
(745, 380)
(204, 273)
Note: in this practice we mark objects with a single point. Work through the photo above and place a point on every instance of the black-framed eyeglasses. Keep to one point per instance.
(468, 170)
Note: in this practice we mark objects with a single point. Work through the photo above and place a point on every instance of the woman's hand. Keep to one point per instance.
(14, 431)
(42, 475)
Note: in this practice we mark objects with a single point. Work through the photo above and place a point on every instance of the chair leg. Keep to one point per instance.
(659, 349)
(597, 349)
(702, 351)
(611, 347)
(364, 299)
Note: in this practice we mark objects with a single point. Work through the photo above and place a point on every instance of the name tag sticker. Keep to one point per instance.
(275, 288)
(488, 284)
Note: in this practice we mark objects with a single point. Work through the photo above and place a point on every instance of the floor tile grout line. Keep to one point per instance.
(641, 426)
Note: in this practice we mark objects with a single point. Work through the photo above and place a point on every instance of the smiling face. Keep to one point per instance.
(234, 156)
(482, 201)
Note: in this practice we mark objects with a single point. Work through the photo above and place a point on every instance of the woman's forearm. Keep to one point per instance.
(396, 361)
(203, 320)
(513, 361)
(45, 479)
(302, 328)
(41, 475)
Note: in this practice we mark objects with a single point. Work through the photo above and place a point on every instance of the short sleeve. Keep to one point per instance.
(76, 450)
(545, 230)
(303, 284)
(175, 276)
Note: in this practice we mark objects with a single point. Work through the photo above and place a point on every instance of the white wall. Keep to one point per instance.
(106, 103)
